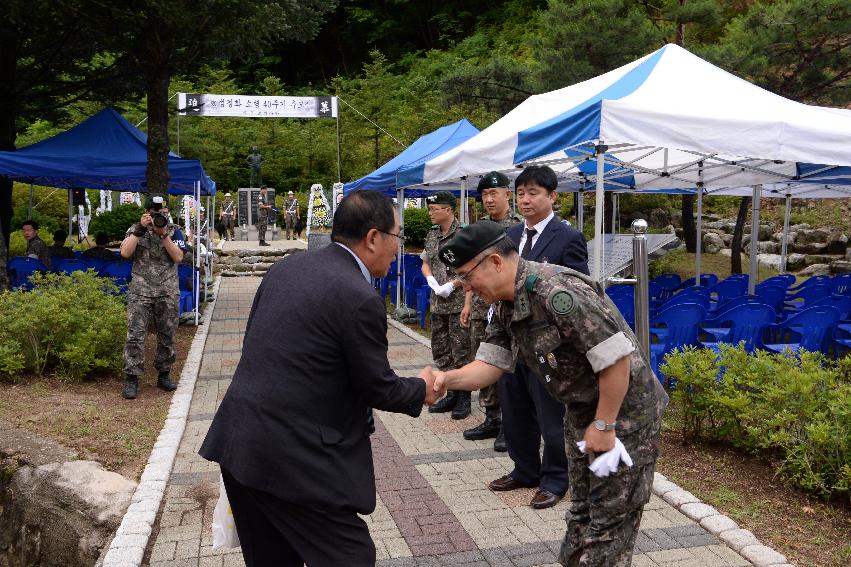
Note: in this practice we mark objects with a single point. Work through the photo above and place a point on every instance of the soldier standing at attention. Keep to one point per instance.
(226, 216)
(291, 214)
(153, 295)
(560, 322)
(263, 207)
(496, 197)
(36, 248)
(450, 309)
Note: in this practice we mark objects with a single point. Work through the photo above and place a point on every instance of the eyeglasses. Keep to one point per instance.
(400, 236)
(435, 208)
(463, 278)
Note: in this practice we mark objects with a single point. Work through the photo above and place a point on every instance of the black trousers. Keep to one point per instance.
(275, 533)
(529, 413)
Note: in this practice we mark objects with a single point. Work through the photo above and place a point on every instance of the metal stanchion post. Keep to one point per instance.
(642, 291)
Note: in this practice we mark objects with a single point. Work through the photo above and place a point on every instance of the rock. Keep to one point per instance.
(712, 243)
(677, 218)
(726, 252)
(241, 267)
(251, 259)
(778, 237)
(822, 259)
(770, 260)
(840, 267)
(768, 247)
(815, 235)
(746, 240)
(808, 248)
(837, 243)
(801, 226)
(814, 270)
(659, 218)
(262, 267)
(229, 260)
(727, 239)
(764, 231)
(670, 229)
(795, 262)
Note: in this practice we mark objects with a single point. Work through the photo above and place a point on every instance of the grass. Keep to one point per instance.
(683, 263)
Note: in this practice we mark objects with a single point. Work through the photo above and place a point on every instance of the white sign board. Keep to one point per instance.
(249, 106)
(617, 251)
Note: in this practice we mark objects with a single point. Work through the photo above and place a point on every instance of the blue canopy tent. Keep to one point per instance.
(104, 152)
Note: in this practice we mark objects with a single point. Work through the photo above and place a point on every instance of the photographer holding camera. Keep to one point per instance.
(153, 295)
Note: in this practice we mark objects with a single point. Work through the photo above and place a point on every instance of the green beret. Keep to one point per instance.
(493, 179)
(469, 241)
(441, 198)
(154, 199)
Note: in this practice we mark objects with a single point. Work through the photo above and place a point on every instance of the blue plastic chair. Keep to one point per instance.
(120, 272)
(669, 283)
(784, 280)
(411, 288)
(773, 295)
(680, 323)
(706, 280)
(63, 266)
(21, 268)
(811, 281)
(743, 322)
(625, 302)
(805, 330)
(96, 263)
(423, 302)
(841, 284)
(388, 283)
(699, 295)
(725, 290)
(186, 283)
(806, 297)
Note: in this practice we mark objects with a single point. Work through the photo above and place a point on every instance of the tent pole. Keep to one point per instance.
(757, 191)
(71, 214)
(339, 166)
(400, 197)
(785, 245)
(598, 216)
(580, 211)
(207, 265)
(196, 265)
(698, 249)
(31, 202)
(614, 212)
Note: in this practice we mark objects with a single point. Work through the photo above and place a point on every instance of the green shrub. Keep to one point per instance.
(68, 324)
(17, 244)
(417, 225)
(792, 408)
(46, 224)
(116, 222)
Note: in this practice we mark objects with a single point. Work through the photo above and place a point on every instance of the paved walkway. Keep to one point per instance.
(434, 507)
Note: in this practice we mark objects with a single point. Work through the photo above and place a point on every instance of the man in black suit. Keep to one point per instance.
(291, 434)
(528, 411)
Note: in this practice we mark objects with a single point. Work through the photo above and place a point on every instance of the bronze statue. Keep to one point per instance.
(255, 159)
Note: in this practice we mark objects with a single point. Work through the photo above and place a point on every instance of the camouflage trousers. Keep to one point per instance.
(158, 313)
(604, 513)
(450, 342)
(489, 395)
(261, 230)
(227, 225)
(289, 220)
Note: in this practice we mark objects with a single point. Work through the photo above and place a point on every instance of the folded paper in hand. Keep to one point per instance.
(608, 462)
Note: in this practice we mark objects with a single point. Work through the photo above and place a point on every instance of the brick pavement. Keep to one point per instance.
(433, 505)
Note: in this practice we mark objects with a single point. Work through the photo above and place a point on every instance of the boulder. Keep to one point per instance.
(659, 218)
(795, 262)
(770, 260)
(727, 239)
(251, 259)
(768, 247)
(726, 252)
(677, 218)
(800, 226)
(670, 229)
(262, 267)
(837, 243)
(814, 270)
(712, 243)
(764, 231)
(241, 268)
(822, 259)
(778, 237)
(809, 236)
(840, 267)
(809, 248)
(715, 225)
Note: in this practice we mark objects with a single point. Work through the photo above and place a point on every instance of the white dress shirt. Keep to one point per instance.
(538, 227)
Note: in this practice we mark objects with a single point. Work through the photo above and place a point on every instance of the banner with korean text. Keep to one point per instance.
(248, 106)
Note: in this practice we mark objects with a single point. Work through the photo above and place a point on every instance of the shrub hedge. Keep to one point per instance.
(417, 225)
(70, 325)
(116, 222)
(794, 408)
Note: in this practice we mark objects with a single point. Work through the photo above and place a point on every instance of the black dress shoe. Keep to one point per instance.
(462, 405)
(544, 499)
(499, 444)
(445, 404)
(488, 429)
(507, 482)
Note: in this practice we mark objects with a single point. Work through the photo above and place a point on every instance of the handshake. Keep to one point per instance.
(444, 290)
(435, 388)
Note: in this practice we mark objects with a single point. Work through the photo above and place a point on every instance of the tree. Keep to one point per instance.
(736, 244)
(167, 37)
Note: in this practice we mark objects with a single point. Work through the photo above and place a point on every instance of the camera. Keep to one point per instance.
(159, 219)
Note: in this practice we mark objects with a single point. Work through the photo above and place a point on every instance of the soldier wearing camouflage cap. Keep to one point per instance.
(153, 295)
(450, 305)
(494, 189)
(562, 325)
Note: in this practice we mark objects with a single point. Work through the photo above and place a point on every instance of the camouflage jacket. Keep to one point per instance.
(443, 273)
(154, 272)
(36, 248)
(566, 330)
(291, 207)
(262, 214)
(480, 306)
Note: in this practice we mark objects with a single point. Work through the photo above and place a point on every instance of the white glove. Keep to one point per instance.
(445, 290)
(608, 462)
(432, 283)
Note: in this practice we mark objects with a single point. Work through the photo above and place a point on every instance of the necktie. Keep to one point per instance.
(527, 246)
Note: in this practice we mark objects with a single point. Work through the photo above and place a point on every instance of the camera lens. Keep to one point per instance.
(159, 220)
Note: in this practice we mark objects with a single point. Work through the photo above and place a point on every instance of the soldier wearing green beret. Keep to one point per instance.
(450, 305)
(561, 324)
(153, 295)
(496, 198)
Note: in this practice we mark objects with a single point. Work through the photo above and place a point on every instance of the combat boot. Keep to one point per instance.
(499, 444)
(462, 405)
(447, 403)
(131, 387)
(165, 383)
(488, 429)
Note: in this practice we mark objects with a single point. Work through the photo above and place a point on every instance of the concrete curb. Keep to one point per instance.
(741, 541)
(127, 548)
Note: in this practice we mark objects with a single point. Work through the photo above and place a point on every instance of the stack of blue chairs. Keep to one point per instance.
(21, 268)
(186, 285)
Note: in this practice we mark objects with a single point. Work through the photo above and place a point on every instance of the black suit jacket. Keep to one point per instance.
(294, 419)
(558, 244)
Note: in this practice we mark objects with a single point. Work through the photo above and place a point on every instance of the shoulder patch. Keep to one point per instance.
(530, 282)
(562, 302)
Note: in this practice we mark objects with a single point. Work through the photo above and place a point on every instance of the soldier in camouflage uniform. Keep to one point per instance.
(450, 308)
(562, 325)
(496, 198)
(36, 248)
(263, 208)
(153, 295)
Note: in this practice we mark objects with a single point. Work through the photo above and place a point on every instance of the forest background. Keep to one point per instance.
(400, 67)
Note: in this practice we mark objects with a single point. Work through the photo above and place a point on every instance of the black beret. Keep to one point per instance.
(150, 200)
(469, 241)
(441, 198)
(493, 179)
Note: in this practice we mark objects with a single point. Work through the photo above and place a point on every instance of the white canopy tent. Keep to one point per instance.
(666, 121)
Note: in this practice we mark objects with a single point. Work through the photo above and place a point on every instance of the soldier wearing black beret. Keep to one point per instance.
(450, 306)
(572, 337)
